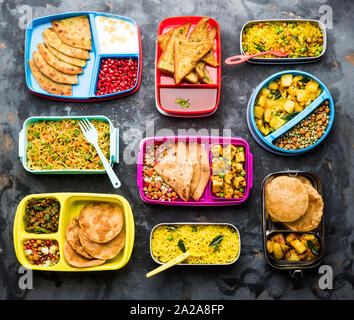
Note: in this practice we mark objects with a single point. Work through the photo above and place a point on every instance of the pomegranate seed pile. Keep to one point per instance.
(116, 74)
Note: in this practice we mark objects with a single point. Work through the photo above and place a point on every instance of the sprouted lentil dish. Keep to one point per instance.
(42, 252)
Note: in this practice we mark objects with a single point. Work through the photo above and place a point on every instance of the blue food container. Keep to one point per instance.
(85, 90)
(267, 141)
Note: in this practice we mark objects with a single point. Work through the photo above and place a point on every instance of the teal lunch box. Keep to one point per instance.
(113, 150)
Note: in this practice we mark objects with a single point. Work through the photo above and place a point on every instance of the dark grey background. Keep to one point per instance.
(250, 277)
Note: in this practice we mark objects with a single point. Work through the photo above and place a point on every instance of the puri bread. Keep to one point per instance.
(72, 236)
(106, 250)
(304, 180)
(78, 261)
(286, 199)
(100, 221)
(313, 216)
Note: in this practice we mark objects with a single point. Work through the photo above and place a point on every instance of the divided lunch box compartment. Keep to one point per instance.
(286, 60)
(204, 98)
(70, 206)
(267, 141)
(23, 141)
(85, 90)
(207, 199)
(198, 224)
(270, 228)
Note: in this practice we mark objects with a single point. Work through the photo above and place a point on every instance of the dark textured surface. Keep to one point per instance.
(250, 277)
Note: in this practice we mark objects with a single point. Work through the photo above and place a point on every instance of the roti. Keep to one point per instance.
(74, 61)
(101, 221)
(52, 73)
(194, 156)
(177, 170)
(286, 199)
(49, 85)
(78, 261)
(74, 31)
(56, 63)
(106, 250)
(313, 216)
(72, 236)
(204, 173)
(56, 43)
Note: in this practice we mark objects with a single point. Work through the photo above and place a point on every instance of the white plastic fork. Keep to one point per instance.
(91, 136)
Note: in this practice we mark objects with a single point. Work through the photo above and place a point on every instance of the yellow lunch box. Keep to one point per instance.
(70, 205)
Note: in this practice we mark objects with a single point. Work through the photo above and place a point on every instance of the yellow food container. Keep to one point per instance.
(70, 206)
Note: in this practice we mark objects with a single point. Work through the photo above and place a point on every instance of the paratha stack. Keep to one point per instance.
(186, 58)
(95, 235)
(186, 169)
(62, 56)
(294, 202)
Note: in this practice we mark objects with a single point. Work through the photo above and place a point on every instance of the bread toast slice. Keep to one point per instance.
(187, 54)
(200, 31)
(164, 38)
(203, 73)
(210, 58)
(167, 59)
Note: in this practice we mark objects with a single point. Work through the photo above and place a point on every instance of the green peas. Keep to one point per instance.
(241, 149)
(274, 91)
(244, 48)
(242, 190)
(282, 37)
(291, 25)
(243, 173)
(302, 50)
(82, 152)
(270, 96)
(194, 229)
(43, 142)
(281, 29)
(29, 145)
(76, 132)
(271, 129)
(302, 88)
(88, 157)
(66, 140)
(36, 134)
(222, 174)
(49, 167)
(100, 163)
(320, 48)
(221, 195)
(107, 132)
(286, 41)
(232, 230)
(317, 53)
(281, 98)
(292, 54)
(216, 248)
(73, 121)
(170, 238)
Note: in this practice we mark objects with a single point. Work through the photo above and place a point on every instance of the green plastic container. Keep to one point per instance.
(114, 144)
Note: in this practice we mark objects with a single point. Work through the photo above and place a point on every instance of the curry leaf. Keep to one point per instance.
(290, 116)
(296, 39)
(312, 247)
(216, 241)
(181, 245)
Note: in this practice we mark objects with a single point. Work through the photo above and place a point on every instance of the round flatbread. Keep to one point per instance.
(286, 199)
(304, 180)
(100, 221)
(106, 250)
(72, 236)
(78, 261)
(313, 216)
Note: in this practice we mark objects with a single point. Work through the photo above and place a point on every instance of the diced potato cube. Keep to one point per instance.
(292, 91)
(264, 130)
(289, 106)
(299, 247)
(273, 86)
(258, 112)
(298, 108)
(286, 80)
(270, 246)
(261, 101)
(267, 115)
(265, 91)
(301, 95)
(311, 86)
(240, 156)
(277, 251)
(276, 123)
(292, 256)
(297, 79)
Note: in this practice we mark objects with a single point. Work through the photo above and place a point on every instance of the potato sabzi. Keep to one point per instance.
(282, 100)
